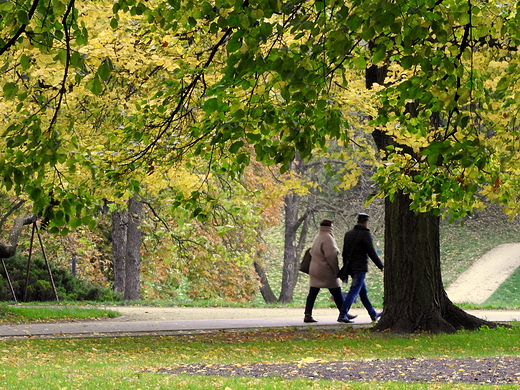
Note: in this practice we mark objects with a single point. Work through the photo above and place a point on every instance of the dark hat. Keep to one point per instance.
(362, 217)
(326, 222)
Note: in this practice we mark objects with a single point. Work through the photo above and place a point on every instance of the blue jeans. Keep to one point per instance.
(358, 287)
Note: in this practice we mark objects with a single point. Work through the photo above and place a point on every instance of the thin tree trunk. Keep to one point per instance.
(290, 261)
(133, 248)
(265, 287)
(119, 235)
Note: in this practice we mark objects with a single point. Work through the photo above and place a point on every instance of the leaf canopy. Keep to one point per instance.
(95, 93)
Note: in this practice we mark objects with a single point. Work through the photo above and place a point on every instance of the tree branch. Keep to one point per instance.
(9, 249)
(21, 30)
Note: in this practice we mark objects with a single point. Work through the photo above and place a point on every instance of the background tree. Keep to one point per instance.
(334, 186)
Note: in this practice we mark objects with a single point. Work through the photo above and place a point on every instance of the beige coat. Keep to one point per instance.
(324, 266)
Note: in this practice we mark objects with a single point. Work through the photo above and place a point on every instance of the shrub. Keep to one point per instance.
(39, 286)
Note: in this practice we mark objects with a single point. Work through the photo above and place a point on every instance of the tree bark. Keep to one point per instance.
(119, 236)
(290, 260)
(9, 249)
(414, 295)
(265, 287)
(296, 216)
(133, 248)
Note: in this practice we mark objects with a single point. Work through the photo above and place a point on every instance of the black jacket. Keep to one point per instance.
(357, 248)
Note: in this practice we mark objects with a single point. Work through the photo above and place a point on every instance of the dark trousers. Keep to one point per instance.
(313, 293)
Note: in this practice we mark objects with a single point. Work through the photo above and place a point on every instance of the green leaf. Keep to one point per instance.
(18, 176)
(243, 158)
(407, 62)
(75, 59)
(379, 55)
(10, 90)
(192, 21)
(94, 86)
(75, 222)
(104, 71)
(234, 44)
(25, 62)
(6, 6)
(360, 63)
(62, 56)
(211, 105)
(432, 158)
(503, 84)
(34, 192)
(236, 146)
(354, 22)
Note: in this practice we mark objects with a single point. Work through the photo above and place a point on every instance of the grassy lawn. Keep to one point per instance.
(132, 363)
(21, 314)
(508, 294)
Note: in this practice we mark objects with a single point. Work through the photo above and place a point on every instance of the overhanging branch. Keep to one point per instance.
(9, 249)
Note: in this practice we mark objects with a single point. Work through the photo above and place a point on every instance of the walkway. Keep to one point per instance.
(113, 328)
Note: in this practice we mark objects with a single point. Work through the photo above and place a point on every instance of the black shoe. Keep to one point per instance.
(344, 318)
(376, 317)
(351, 316)
(308, 318)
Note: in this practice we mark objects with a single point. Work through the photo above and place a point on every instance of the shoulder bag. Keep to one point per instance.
(306, 261)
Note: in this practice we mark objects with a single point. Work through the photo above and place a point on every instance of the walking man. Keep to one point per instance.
(357, 248)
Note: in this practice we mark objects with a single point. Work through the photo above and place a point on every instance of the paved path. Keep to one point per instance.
(113, 328)
(481, 280)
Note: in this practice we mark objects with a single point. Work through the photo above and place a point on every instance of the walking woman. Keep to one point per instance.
(324, 269)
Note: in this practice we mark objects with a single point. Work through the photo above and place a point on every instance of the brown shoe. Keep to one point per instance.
(308, 318)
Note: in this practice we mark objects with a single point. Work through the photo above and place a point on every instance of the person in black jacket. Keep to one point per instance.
(357, 248)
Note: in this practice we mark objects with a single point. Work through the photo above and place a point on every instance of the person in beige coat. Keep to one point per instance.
(323, 269)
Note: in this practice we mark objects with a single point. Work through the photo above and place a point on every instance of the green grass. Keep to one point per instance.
(508, 294)
(131, 363)
(22, 314)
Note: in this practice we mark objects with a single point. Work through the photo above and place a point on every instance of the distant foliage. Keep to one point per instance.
(69, 288)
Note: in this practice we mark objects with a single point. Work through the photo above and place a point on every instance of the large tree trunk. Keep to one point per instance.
(414, 296)
(415, 299)
(119, 236)
(133, 248)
